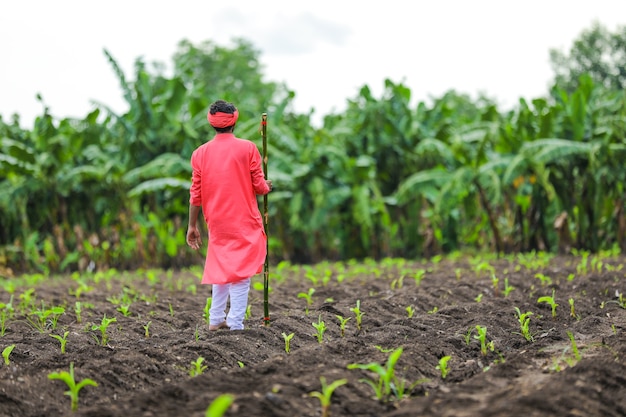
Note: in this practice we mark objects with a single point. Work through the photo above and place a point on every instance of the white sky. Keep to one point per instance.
(323, 50)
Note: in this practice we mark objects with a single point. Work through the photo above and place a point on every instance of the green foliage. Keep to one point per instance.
(383, 178)
(73, 387)
(219, 405)
(327, 391)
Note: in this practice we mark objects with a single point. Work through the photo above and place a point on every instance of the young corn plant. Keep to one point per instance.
(308, 296)
(287, 338)
(524, 322)
(73, 387)
(321, 329)
(507, 288)
(102, 327)
(443, 366)
(482, 338)
(388, 385)
(39, 318)
(207, 310)
(196, 367)
(6, 352)
(358, 314)
(6, 313)
(572, 309)
(325, 395)
(219, 406)
(410, 311)
(550, 301)
(62, 340)
(146, 328)
(78, 310)
(342, 324)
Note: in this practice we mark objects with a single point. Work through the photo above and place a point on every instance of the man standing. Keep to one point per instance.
(227, 177)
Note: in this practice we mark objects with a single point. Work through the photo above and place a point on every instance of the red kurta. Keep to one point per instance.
(227, 176)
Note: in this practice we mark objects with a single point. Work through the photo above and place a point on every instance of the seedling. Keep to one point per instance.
(524, 322)
(146, 328)
(545, 280)
(574, 346)
(342, 324)
(479, 298)
(6, 313)
(219, 406)
(5, 354)
(38, 318)
(287, 338)
(358, 314)
(103, 329)
(248, 313)
(207, 310)
(321, 328)
(308, 296)
(241, 364)
(78, 309)
(74, 387)
(410, 311)
(196, 367)
(494, 283)
(443, 366)
(171, 309)
(419, 276)
(468, 336)
(482, 338)
(326, 394)
(550, 301)
(62, 340)
(124, 309)
(433, 310)
(572, 309)
(388, 383)
(507, 288)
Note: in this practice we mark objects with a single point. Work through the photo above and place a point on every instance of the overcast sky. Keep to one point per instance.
(323, 50)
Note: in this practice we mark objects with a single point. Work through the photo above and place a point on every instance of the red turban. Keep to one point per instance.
(221, 120)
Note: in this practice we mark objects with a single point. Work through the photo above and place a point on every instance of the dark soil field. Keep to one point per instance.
(429, 309)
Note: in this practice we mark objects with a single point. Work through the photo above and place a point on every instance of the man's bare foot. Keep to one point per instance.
(214, 327)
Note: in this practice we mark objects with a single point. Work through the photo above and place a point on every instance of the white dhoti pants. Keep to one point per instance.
(238, 292)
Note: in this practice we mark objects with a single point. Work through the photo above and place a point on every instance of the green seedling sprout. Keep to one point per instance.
(124, 309)
(326, 394)
(572, 309)
(507, 288)
(241, 364)
(434, 310)
(388, 383)
(482, 338)
(61, 339)
(207, 310)
(494, 284)
(358, 314)
(342, 324)
(321, 328)
(146, 328)
(288, 338)
(419, 276)
(78, 309)
(443, 366)
(524, 322)
(39, 318)
(219, 406)
(550, 301)
(6, 313)
(574, 346)
(410, 311)
(545, 280)
(248, 313)
(104, 325)
(171, 309)
(479, 298)
(468, 336)
(196, 367)
(308, 296)
(6, 353)
(74, 387)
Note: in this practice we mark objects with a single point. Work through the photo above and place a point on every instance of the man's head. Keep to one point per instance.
(223, 116)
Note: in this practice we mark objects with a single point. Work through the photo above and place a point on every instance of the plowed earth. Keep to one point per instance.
(149, 375)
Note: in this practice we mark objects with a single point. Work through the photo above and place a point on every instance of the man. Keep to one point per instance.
(227, 177)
